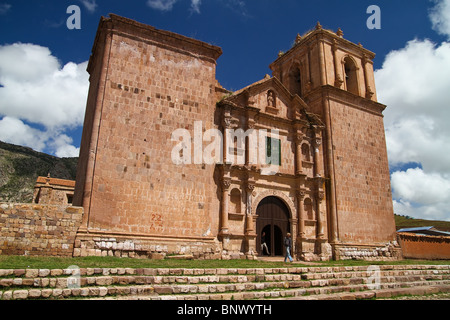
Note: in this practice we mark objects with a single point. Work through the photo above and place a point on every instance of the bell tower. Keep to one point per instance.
(322, 57)
(335, 78)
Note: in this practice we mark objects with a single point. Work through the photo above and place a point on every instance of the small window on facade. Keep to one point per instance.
(273, 151)
(69, 198)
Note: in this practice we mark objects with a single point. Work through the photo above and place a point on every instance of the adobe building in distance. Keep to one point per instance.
(302, 151)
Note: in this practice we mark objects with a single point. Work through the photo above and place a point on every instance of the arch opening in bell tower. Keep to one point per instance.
(295, 80)
(351, 81)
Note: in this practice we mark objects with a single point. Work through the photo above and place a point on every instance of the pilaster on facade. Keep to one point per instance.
(366, 61)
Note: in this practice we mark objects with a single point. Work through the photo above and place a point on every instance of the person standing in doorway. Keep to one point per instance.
(264, 244)
(288, 246)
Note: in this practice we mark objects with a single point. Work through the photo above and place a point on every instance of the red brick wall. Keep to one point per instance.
(424, 247)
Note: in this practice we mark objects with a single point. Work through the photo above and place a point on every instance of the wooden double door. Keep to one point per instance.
(273, 220)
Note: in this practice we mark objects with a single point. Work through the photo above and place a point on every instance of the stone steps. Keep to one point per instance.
(380, 293)
(216, 284)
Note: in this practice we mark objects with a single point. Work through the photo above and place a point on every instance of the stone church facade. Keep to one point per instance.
(324, 135)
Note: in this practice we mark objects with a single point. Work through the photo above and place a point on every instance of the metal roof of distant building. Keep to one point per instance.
(425, 229)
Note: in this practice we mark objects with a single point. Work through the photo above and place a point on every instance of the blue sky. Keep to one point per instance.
(43, 82)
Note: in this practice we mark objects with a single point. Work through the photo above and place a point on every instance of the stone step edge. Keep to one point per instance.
(150, 292)
(381, 293)
(306, 276)
(384, 273)
(34, 273)
(310, 293)
(75, 292)
(301, 294)
(61, 283)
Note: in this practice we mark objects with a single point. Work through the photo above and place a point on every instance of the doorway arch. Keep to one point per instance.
(273, 219)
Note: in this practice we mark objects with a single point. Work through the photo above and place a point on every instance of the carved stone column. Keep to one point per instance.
(224, 217)
(226, 123)
(301, 235)
(317, 157)
(250, 228)
(300, 209)
(298, 153)
(250, 234)
(319, 198)
(320, 43)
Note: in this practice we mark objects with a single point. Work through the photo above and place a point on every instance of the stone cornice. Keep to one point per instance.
(347, 98)
(135, 30)
(329, 36)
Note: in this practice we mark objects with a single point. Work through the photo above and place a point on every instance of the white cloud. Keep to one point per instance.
(90, 5)
(167, 5)
(237, 6)
(163, 5)
(14, 131)
(440, 17)
(416, 139)
(416, 91)
(195, 5)
(414, 85)
(414, 185)
(421, 195)
(412, 79)
(35, 88)
(4, 8)
(437, 211)
(62, 145)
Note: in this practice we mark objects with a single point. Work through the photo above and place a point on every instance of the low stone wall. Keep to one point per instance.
(387, 252)
(40, 230)
(140, 246)
(424, 247)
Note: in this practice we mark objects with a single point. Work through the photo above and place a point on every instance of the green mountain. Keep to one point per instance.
(20, 167)
(408, 222)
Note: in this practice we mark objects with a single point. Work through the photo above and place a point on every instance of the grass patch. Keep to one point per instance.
(372, 263)
(27, 262)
